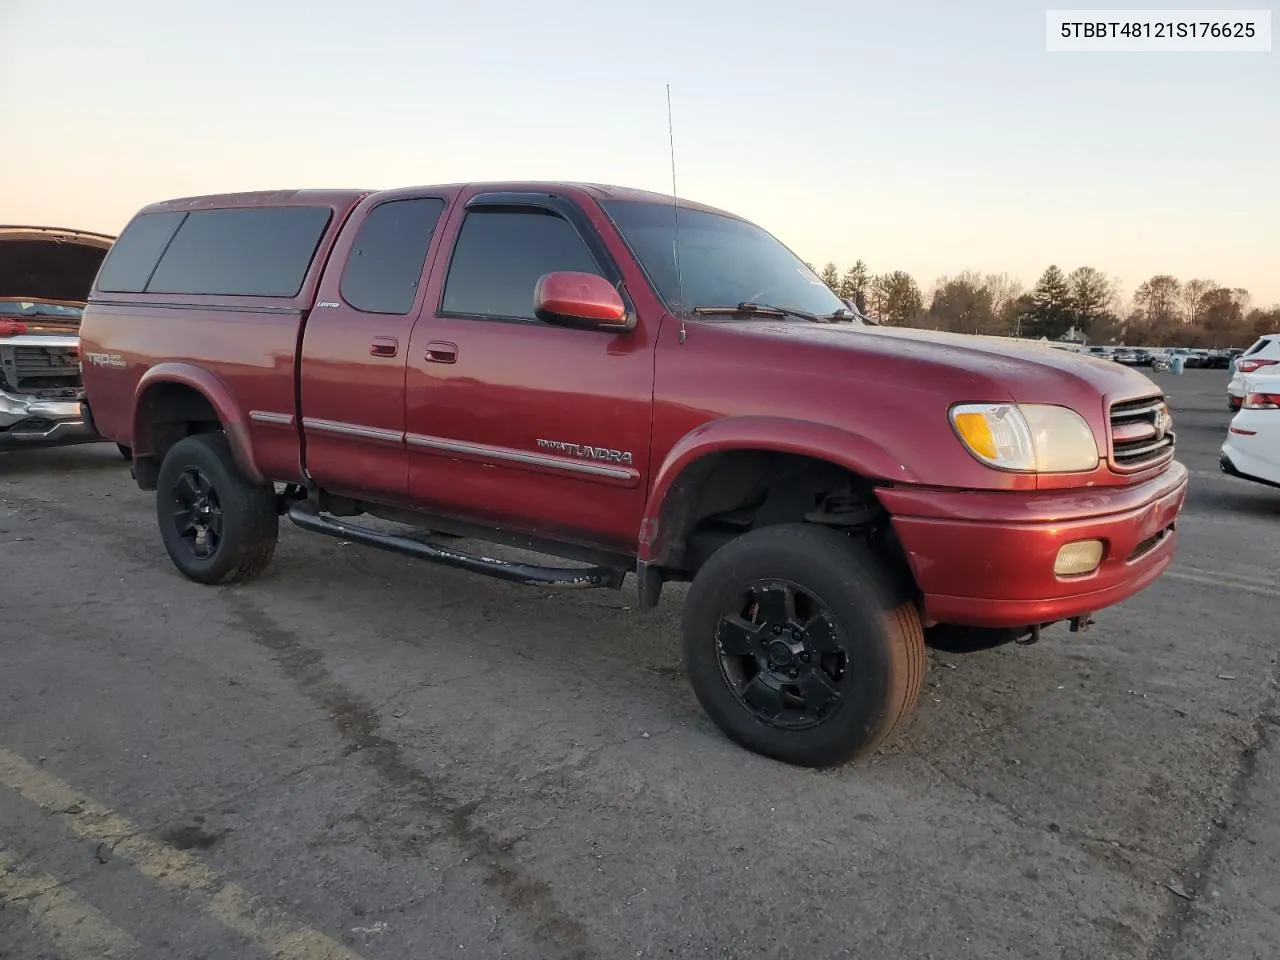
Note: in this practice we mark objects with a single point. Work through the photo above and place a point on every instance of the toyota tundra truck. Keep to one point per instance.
(623, 382)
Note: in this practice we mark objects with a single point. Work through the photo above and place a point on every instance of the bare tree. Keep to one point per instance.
(1190, 296)
(1004, 289)
(1158, 301)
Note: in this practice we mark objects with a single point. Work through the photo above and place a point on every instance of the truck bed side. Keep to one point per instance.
(155, 351)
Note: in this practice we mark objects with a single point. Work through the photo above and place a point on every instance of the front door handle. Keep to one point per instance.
(438, 351)
(384, 347)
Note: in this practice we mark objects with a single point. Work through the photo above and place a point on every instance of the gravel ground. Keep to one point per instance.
(359, 755)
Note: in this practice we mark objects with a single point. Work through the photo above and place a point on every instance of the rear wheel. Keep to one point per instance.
(216, 524)
(799, 647)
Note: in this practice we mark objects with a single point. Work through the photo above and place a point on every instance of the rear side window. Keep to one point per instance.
(244, 251)
(386, 261)
(133, 256)
(1262, 344)
(499, 256)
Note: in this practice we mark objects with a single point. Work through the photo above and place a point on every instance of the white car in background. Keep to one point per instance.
(1263, 357)
(1251, 450)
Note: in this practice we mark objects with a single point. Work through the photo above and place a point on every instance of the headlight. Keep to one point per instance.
(1026, 437)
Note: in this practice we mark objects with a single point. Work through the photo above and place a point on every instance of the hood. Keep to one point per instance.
(972, 365)
(50, 264)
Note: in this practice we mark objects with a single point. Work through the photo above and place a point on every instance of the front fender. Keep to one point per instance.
(779, 434)
(219, 398)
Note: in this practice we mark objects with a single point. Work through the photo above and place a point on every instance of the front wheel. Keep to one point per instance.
(799, 647)
(217, 525)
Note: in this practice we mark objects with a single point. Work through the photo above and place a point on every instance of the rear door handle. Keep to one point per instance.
(384, 347)
(438, 351)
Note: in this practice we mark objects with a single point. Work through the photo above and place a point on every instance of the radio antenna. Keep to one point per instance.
(675, 210)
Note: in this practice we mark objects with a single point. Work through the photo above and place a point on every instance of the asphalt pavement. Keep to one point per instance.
(363, 756)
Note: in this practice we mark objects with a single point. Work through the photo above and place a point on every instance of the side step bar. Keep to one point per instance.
(304, 514)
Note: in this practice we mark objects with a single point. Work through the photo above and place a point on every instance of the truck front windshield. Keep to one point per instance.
(723, 261)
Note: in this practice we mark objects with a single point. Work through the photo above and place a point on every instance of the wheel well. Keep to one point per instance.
(725, 494)
(166, 413)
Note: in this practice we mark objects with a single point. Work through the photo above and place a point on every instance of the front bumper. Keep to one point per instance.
(27, 421)
(986, 559)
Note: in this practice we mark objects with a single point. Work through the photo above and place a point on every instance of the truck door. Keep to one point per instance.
(355, 345)
(511, 420)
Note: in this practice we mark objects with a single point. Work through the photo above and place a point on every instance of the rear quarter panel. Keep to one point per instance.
(249, 355)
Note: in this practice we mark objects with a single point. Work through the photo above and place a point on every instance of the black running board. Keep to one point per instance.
(305, 515)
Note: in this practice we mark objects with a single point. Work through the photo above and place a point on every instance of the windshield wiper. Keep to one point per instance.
(768, 309)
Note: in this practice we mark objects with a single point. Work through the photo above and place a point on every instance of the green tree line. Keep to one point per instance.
(1163, 311)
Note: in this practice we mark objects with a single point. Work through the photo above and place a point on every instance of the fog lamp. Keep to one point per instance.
(1082, 556)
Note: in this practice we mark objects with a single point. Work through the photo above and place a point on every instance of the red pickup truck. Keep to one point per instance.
(633, 385)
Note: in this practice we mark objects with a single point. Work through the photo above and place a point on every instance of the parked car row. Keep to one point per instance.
(1149, 356)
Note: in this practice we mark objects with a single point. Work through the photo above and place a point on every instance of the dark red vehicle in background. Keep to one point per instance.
(533, 365)
(45, 276)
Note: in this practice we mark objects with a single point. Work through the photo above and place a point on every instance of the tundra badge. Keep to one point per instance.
(587, 453)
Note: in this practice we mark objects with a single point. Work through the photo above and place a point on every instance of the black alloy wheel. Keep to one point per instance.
(197, 513)
(801, 646)
(217, 525)
(783, 656)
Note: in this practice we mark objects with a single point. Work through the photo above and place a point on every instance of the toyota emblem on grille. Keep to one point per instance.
(1163, 422)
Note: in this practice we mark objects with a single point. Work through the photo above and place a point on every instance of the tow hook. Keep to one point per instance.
(1081, 624)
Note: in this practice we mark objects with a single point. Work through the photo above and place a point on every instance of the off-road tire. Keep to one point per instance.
(877, 616)
(249, 518)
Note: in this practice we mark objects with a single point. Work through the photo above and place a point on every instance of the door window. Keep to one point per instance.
(385, 265)
(499, 256)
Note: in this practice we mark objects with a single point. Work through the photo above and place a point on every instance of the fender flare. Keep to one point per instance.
(776, 434)
(215, 392)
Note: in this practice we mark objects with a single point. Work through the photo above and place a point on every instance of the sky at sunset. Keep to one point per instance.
(928, 137)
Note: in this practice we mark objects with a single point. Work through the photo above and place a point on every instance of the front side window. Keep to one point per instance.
(499, 256)
(723, 261)
(385, 265)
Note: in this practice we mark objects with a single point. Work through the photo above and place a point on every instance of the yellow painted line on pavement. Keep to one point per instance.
(229, 904)
(75, 928)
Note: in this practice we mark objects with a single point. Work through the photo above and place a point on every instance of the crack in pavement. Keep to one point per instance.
(1198, 877)
(357, 723)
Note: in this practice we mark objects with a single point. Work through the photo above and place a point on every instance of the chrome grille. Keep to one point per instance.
(1141, 434)
(33, 368)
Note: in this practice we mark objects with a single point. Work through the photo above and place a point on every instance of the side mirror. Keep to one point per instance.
(583, 301)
